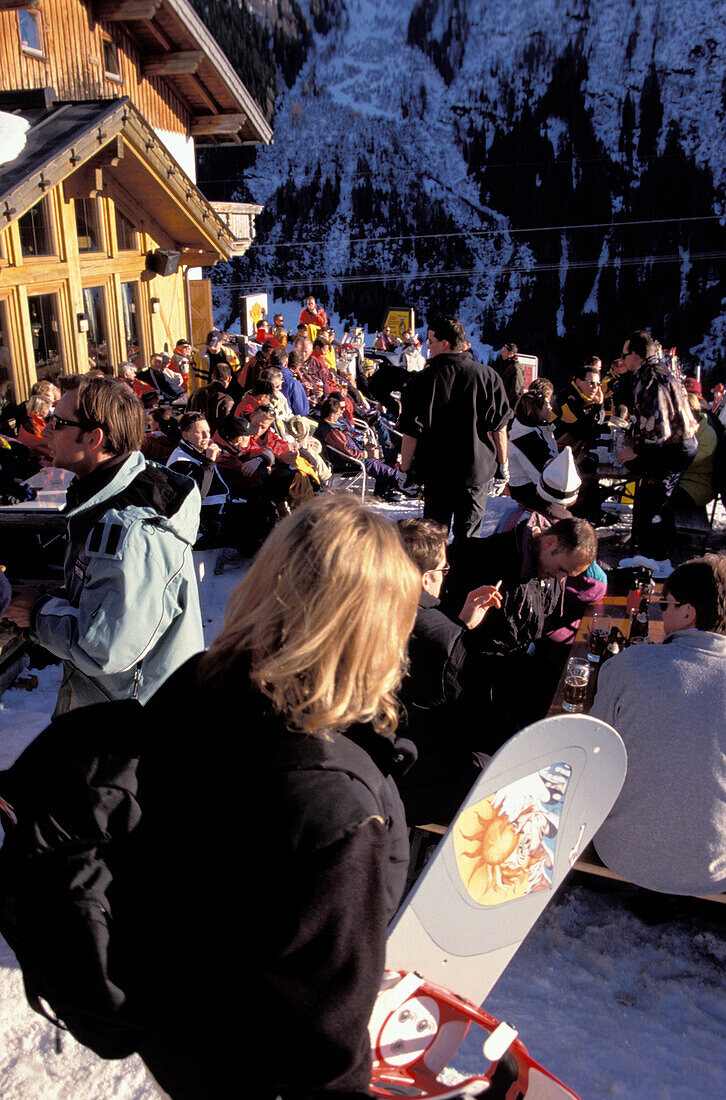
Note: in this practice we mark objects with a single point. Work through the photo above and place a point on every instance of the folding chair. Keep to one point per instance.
(355, 480)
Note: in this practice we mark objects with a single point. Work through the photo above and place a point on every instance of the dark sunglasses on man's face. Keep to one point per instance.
(57, 422)
(665, 604)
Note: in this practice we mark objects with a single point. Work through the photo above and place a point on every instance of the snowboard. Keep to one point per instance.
(538, 803)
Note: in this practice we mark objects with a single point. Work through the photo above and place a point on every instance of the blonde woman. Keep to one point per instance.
(281, 854)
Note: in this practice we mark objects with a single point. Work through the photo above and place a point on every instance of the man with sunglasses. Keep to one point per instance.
(664, 443)
(667, 830)
(128, 614)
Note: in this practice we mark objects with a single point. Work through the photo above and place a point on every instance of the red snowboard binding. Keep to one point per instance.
(417, 1027)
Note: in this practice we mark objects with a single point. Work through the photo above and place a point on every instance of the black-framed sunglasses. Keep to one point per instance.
(665, 604)
(57, 422)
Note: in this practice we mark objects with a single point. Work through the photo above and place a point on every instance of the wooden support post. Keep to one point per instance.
(85, 183)
(112, 154)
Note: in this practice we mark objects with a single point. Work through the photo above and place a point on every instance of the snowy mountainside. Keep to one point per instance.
(420, 141)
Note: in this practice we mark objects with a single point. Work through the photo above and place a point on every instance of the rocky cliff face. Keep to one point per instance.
(553, 171)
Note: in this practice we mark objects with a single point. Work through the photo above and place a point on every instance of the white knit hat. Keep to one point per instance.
(560, 482)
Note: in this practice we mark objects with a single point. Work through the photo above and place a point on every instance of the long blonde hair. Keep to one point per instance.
(324, 615)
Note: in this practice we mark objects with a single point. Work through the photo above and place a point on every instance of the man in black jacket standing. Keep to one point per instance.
(454, 420)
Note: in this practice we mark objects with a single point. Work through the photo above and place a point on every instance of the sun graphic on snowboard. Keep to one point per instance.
(505, 844)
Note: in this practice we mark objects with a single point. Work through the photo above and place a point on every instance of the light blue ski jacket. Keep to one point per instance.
(129, 613)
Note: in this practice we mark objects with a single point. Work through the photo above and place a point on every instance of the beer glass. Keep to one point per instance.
(599, 631)
(575, 693)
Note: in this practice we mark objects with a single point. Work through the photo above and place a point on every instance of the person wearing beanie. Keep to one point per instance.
(202, 362)
(556, 491)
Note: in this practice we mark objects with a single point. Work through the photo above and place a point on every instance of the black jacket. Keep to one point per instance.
(442, 695)
(450, 408)
(271, 870)
(528, 602)
(213, 400)
(579, 418)
(513, 380)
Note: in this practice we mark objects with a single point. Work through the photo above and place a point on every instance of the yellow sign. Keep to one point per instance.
(252, 310)
(400, 321)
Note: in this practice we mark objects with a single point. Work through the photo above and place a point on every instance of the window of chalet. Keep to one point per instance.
(87, 227)
(36, 232)
(111, 60)
(132, 331)
(126, 235)
(7, 377)
(45, 332)
(94, 306)
(30, 25)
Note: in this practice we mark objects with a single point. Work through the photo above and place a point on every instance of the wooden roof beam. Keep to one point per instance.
(182, 61)
(117, 11)
(203, 94)
(13, 5)
(154, 30)
(205, 125)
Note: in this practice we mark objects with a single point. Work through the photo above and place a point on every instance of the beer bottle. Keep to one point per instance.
(639, 629)
(613, 646)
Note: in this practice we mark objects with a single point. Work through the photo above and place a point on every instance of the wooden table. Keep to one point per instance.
(614, 608)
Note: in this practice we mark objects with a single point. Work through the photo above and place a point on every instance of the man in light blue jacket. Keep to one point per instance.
(667, 830)
(128, 615)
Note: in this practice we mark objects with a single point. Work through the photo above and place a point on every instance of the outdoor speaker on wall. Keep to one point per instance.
(163, 262)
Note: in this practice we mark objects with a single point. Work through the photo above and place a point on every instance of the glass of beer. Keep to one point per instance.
(575, 693)
(598, 638)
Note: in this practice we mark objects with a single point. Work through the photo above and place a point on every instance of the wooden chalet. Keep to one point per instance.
(102, 228)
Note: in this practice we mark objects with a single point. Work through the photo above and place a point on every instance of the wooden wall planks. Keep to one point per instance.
(73, 63)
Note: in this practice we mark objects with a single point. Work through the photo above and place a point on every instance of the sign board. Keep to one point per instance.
(252, 310)
(400, 319)
(531, 367)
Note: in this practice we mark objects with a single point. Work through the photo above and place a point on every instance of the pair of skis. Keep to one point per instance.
(538, 803)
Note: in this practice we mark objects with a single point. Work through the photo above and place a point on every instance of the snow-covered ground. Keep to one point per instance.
(619, 993)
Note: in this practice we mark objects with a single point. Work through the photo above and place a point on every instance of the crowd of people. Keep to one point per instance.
(366, 670)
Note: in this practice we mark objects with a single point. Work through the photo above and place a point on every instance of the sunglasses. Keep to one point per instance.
(57, 422)
(440, 569)
(665, 604)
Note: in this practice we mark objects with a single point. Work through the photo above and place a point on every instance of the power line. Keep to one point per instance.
(257, 245)
(379, 277)
(551, 163)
